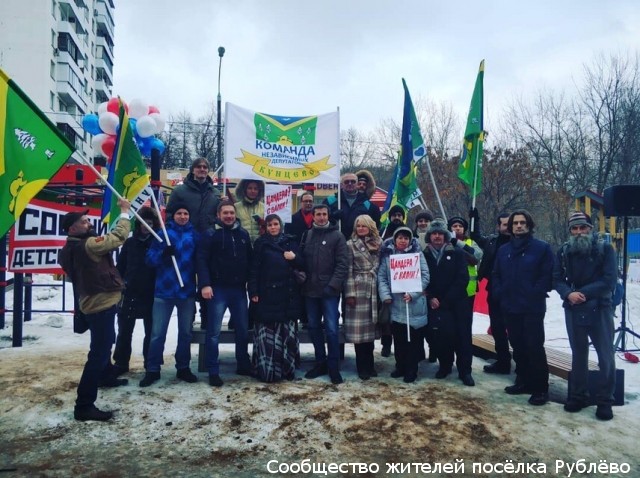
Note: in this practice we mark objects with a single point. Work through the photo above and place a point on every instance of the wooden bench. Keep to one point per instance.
(559, 362)
(228, 336)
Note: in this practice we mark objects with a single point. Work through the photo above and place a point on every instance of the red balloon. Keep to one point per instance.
(153, 109)
(113, 105)
(108, 146)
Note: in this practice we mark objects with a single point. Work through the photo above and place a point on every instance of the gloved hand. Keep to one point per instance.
(169, 251)
(328, 291)
(454, 241)
(474, 214)
(256, 218)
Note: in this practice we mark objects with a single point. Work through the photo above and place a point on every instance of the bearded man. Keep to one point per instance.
(585, 276)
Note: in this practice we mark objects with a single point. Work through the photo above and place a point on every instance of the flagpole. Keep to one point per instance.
(166, 236)
(339, 175)
(475, 184)
(113, 190)
(435, 188)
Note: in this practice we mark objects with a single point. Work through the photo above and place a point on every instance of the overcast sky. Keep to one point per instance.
(298, 58)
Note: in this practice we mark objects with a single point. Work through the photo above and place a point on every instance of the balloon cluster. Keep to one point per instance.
(144, 120)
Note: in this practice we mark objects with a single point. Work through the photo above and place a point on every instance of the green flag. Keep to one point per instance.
(127, 174)
(470, 167)
(32, 150)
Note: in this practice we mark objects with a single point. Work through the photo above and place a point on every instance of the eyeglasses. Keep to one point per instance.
(349, 181)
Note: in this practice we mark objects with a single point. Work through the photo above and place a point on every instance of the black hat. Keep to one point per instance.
(71, 218)
(178, 205)
(459, 220)
(395, 209)
(363, 177)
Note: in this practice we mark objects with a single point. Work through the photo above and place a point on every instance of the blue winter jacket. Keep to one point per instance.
(184, 239)
(522, 275)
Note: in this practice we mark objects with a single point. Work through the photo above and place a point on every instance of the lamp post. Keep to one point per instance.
(219, 132)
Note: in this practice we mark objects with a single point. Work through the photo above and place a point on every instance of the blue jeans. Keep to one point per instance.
(162, 309)
(103, 335)
(234, 299)
(317, 308)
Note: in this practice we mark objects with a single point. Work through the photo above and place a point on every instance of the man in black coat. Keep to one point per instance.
(447, 289)
(327, 258)
(490, 245)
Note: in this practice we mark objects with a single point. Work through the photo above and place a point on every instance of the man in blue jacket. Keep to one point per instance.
(224, 257)
(521, 279)
(352, 204)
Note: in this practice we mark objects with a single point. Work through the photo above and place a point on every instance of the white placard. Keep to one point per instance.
(277, 200)
(405, 273)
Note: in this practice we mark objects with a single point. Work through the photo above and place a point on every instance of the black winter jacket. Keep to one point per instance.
(223, 257)
(139, 278)
(201, 199)
(448, 278)
(326, 258)
(271, 279)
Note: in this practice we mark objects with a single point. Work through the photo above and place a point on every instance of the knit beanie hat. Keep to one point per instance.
(426, 215)
(579, 218)
(179, 205)
(438, 225)
(405, 230)
(395, 209)
(459, 220)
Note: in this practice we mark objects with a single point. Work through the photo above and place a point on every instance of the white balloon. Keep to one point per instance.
(98, 139)
(146, 126)
(138, 108)
(108, 122)
(102, 108)
(160, 122)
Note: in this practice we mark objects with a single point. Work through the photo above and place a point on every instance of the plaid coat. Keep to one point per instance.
(360, 322)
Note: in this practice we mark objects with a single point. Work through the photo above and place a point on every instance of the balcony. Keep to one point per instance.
(69, 95)
(104, 18)
(107, 47)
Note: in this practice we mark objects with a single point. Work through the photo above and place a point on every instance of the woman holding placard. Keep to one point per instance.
(399, 261)
(361, 294)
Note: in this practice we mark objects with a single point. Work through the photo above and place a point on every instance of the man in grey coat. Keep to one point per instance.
(327, 259)
(585, 275)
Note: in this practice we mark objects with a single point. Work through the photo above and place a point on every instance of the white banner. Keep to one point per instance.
(405, 273)
(284, 149)
(37, 237)
(277, 200)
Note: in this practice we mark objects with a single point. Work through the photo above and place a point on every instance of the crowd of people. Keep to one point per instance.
(332, 261)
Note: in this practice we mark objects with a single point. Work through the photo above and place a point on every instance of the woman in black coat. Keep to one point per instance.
(276, 295)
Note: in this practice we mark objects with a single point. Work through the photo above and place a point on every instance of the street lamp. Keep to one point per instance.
(219, 132)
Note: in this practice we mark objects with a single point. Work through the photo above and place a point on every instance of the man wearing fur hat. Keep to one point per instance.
(447, 289)
(585, 275)
(521, 279)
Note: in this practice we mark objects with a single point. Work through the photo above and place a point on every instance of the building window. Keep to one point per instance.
(53, 8)
(52, 70)
(52, 100)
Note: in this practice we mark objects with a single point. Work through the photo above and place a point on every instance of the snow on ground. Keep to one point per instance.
(178, 429)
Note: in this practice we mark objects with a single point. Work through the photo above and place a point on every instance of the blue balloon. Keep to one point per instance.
(144, 145)
(157, 143)
(90, 124)
(133, 127)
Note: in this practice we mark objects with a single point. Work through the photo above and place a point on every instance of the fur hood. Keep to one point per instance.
(242, 186)
(371, 184)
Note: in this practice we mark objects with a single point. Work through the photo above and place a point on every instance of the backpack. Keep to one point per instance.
(618, 290)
